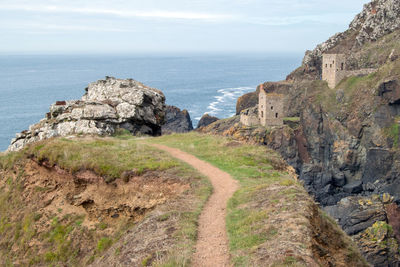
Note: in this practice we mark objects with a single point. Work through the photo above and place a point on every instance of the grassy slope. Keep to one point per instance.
(61, 240)
(268, 194)
(268, 217)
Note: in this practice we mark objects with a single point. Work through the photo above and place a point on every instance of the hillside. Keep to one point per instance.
(343, 141)
(71, 201)
(66, 201)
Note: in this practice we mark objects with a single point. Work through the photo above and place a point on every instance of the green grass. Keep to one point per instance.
(393, 132)
(8, 160)
(104, 243)
(108, 157)
(253, 167)
(292, 119)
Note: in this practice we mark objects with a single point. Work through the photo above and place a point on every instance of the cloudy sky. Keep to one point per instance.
(137, 26)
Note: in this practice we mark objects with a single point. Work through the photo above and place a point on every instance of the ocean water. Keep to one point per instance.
(199, 83)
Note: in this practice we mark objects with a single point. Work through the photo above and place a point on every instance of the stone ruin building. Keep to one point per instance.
(334, 69)
(270, 110)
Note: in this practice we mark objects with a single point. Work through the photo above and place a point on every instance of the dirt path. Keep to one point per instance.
(212, 243)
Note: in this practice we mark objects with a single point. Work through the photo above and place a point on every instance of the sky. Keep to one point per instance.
(176, 26)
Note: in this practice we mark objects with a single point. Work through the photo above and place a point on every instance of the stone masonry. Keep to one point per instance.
(333, 68)
(249, 117)
(270, 108)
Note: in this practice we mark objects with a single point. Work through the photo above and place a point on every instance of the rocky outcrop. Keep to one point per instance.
(206, 120)
(355, 214)
(377, 19)
(176, 121)
(246, 101)
(367, 220)
(107, 105)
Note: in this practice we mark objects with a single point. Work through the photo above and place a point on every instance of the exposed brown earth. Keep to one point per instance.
(91, 209)
(212, 244)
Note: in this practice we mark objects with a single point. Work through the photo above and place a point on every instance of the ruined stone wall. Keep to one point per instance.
(270, 109)
(249, 120)
(249, 117)
(361, 72)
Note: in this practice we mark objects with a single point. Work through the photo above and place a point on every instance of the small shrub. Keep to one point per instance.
(102, 226)
(287, 182)
(50, 257)
(146, 261)
(103, 244)
(393, 132)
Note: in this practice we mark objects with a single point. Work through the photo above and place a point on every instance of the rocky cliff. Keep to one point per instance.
(107, 105)
(377, 19)
(346, 145)
(176, 121)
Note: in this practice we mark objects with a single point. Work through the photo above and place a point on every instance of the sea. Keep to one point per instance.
(200, 83)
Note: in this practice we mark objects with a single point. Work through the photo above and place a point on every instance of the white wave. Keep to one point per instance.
(224, 103)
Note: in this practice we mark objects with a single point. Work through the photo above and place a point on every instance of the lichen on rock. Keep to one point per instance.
(107, 105)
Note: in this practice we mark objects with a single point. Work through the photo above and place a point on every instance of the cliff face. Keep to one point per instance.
(351, 133)
(107, 105)
(346, 146)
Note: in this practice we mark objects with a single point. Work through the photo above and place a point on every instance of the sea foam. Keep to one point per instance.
(225, 101)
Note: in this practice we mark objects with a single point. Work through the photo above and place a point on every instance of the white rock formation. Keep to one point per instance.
(107, 105)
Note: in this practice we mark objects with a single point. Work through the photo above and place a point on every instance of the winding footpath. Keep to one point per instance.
(212, 243)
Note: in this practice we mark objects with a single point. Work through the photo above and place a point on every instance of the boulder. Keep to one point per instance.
(107, 105)
(206, 120)
(176, 121)
(378, 245)
(356, 213)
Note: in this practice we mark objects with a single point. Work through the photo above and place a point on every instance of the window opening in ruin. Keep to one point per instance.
(342, 66)
(326, 65)
(262, 114)
(333, 62)
(272, 108)
(331, 65)
(276, 115)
